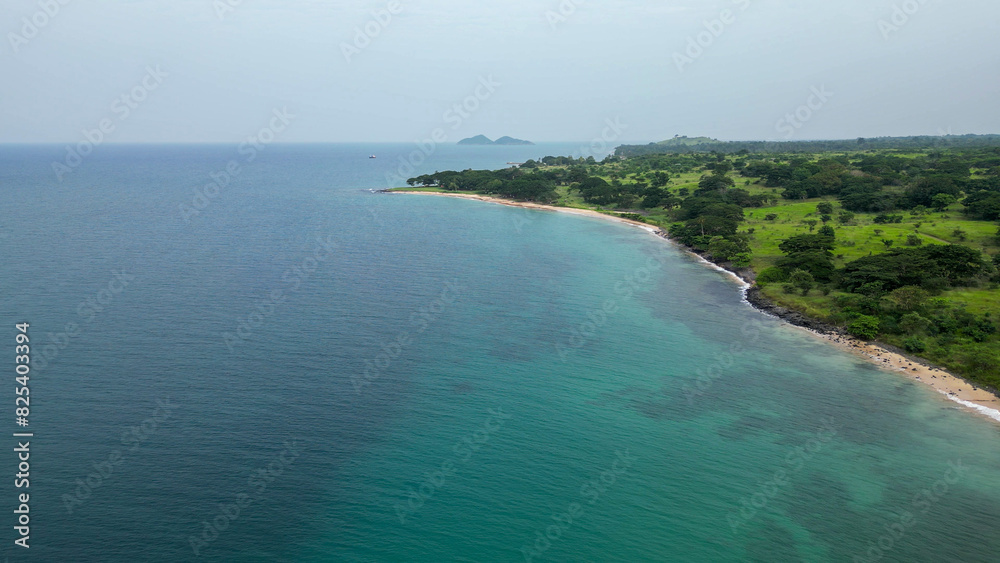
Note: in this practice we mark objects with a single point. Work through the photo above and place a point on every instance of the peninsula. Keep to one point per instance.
(889, 251)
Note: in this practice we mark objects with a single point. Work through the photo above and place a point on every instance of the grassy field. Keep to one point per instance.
(858, 237)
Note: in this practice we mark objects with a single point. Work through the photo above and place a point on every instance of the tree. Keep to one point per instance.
(888, 243)
(824, 208)
(805, 243)
(742, 260)
(956, 261)
(983, 204)
(715, 182)
(845, 217)
(913, 323)
(815, 262)
(811, 223)
(864, 327)
(722, 249)
(907, 298)
(914, 345)
(960, 234)
(892, 270)
(941, 201)
(802, 280)
(914, 240)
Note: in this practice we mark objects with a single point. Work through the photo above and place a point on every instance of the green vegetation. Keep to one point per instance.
(705, 144)
(896, 245)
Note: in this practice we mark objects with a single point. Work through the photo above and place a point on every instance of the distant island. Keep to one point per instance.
(484, 140)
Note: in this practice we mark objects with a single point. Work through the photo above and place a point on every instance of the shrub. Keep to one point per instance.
(913, 240)
(885, 218)
(913, 323)
(981, 362)
(935, 285)
(864, 327)
(914, 345)
(802, 280)
(772, 275)
(742, 260)
(770, 216)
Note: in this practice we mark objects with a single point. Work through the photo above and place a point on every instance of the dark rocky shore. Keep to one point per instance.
(756, 298)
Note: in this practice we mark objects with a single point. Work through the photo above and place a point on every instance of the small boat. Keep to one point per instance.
(372, 156)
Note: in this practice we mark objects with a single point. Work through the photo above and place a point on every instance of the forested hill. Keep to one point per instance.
(703, 144)
(897, 245)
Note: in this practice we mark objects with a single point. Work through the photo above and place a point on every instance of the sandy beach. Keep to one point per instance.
(951, 387)
(530, 205)
(955, 388)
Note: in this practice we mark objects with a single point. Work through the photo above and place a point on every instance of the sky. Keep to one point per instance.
(546, 70)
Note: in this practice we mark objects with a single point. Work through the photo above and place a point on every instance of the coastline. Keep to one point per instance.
(952, 387)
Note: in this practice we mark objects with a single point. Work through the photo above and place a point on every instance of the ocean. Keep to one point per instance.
(265, 360)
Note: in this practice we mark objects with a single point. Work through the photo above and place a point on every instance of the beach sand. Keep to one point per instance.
(951, 387)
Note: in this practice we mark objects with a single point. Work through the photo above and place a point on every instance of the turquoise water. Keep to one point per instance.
(438, 380)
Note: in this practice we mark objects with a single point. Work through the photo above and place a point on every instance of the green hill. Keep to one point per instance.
(683, 141)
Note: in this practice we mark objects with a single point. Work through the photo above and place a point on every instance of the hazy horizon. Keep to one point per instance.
(390, 71)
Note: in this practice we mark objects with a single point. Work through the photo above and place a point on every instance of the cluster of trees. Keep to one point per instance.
(879, 143)
(512, 183)
(895, 293)
(709, 219)
(882, 182)
(559, 161)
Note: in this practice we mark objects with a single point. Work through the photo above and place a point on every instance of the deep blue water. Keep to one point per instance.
(304, 370)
